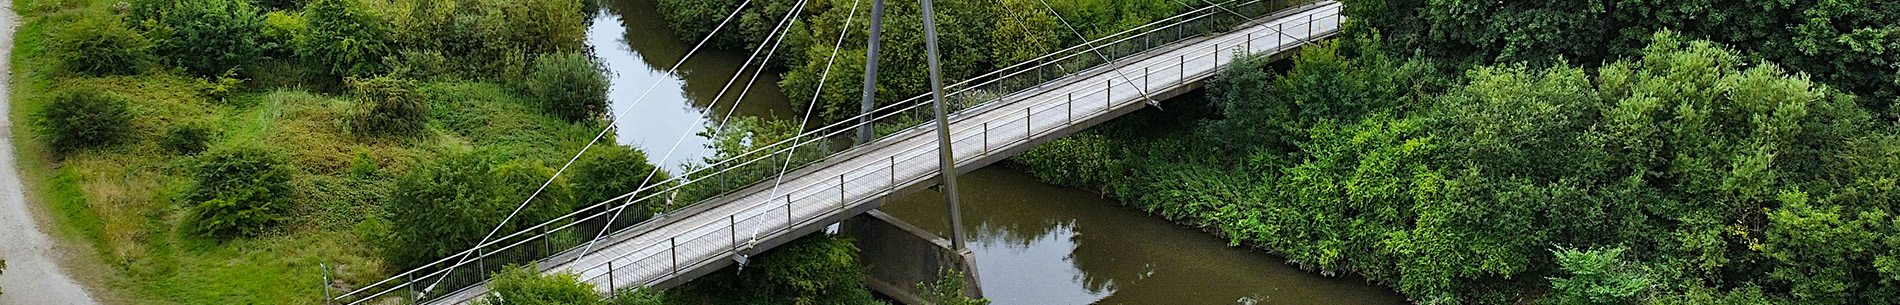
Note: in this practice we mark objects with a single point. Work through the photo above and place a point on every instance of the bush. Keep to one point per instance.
(449, 204)
(571, 86)
(100, 45)
(343, 39)
(389, 107)
(241, 191)
(522, 285)
(213, 36)
(185, 139)
(613, 170)
(81, 118)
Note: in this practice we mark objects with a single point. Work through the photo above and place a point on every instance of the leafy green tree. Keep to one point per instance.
(1024, 30)
(209, 37)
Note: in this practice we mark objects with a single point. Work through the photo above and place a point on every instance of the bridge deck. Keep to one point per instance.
(709, 236)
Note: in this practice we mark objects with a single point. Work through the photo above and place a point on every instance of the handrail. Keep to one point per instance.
(789, 146)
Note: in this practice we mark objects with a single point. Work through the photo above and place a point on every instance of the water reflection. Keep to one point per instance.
(1040, 244)
(631, 37)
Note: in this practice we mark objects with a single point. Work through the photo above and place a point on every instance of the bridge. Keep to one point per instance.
(1002, 113)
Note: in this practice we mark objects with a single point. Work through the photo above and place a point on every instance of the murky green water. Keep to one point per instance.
(1041, 244)
(1035, 243)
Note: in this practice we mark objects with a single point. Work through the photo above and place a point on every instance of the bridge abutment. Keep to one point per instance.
(898, 256)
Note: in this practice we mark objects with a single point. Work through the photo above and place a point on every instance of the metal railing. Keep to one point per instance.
(575, 230)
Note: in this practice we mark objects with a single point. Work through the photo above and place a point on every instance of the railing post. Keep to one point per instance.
(841, 191)
(673, 244)
(1217, 54)
(732, 223)
(1249, 43)
(1029, 128)
(788, 212)
(986, 134)
(1144, 80)
(610, 275)
(326, 283)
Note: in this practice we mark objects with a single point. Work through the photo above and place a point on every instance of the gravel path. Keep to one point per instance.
(33, 275)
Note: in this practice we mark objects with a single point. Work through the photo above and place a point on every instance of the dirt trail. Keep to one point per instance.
(33, 274)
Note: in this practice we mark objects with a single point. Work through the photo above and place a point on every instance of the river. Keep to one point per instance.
(631, 37)
(1034, 243)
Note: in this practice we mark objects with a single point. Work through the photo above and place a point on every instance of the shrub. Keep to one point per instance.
(389, 107)
(213, 36)
(100, 45)
(185, 139)
(449, 204)
(241, 191)
(522, 285)
(571, 86)
(81, 118)
(343, 39)
(613, 170)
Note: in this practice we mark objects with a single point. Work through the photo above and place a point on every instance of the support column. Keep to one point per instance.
(945, 154)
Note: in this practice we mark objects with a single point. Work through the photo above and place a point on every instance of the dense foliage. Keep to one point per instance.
(1691, 173)
(1846, 44)
(80, 118)
(977, 36)
(241, 191)
(342, 37)
(208, 37)
(450, 204)
(523, 285)
(610, 171)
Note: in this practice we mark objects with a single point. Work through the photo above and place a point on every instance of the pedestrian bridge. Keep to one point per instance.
(1007, 112)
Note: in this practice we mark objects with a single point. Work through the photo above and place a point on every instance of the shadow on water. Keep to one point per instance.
(1041, 244)
(632, 38)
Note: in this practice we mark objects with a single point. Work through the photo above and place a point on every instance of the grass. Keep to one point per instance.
(122, 205)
